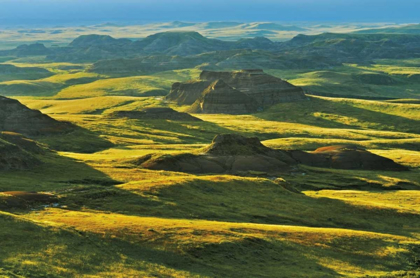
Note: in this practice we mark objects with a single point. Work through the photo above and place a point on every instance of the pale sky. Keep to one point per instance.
(52, 12)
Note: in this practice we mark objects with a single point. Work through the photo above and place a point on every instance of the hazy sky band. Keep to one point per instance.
(67, 12)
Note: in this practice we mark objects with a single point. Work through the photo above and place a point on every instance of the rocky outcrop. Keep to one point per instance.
(228, 153)
(346, 157)
(235, 154)
(187, 93)
(254, 88)
(220, 98)
(267, 90)
(16, 117)
(154, 114)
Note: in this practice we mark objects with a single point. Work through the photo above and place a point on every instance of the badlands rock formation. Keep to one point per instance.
(250, 86)
(235, 154)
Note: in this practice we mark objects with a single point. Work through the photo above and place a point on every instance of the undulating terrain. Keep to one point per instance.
(217, 149)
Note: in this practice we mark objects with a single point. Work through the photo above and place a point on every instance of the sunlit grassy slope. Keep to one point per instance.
(114, 219)
(154, 85)
(385, 79)
(71, 81)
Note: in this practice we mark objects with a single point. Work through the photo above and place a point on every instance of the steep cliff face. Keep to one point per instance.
(16, 117)
(220, 98)
(248, 91)
(187, 93)
(265, 89)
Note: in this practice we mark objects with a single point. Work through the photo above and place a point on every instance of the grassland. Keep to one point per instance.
(383, 79)
(114, 219)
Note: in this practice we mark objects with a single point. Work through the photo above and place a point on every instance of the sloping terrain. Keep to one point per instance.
(346, 157)
(220, 98)
(235, 154)
(237, 92)
(11, 72)
(16, 117)
(140, 188)
(154, 114)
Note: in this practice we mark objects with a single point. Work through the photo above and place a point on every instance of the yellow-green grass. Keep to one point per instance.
(405, 157)
(36, 249)
(47, 86)
(351, 80)
(312, 178)
(406, 201)
(237, 249)
(311, 144)
(127, 86)
(148, 85)
(55, 172)
(62, 67)
(232, 199)
(94, 105)
(392, 69)
(306, 125)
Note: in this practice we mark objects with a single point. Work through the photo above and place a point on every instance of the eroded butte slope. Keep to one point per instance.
(228, 153)
(235, 154)
(251, 86)
(219, 97)
(346, 157)
(16, 117)
(264, 88)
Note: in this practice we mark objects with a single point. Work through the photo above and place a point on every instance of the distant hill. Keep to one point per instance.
(408, 29)
(87, 41)
(98, 47)
(220, 24)
(27, 50)
(217, 60)
(179, 43)
(174, 50)
(11, 72)
(355, 47)
(274, 26)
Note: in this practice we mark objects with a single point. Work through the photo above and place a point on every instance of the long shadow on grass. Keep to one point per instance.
(303, 113)
(55, 173)
(225, 198)
(170, 132)
(62, 252)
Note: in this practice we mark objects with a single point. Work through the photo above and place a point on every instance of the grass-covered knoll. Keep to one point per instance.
(148, 85)
(348, 113)
(383, 79)
(61, 75)
(10, 72)
(402, 201)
